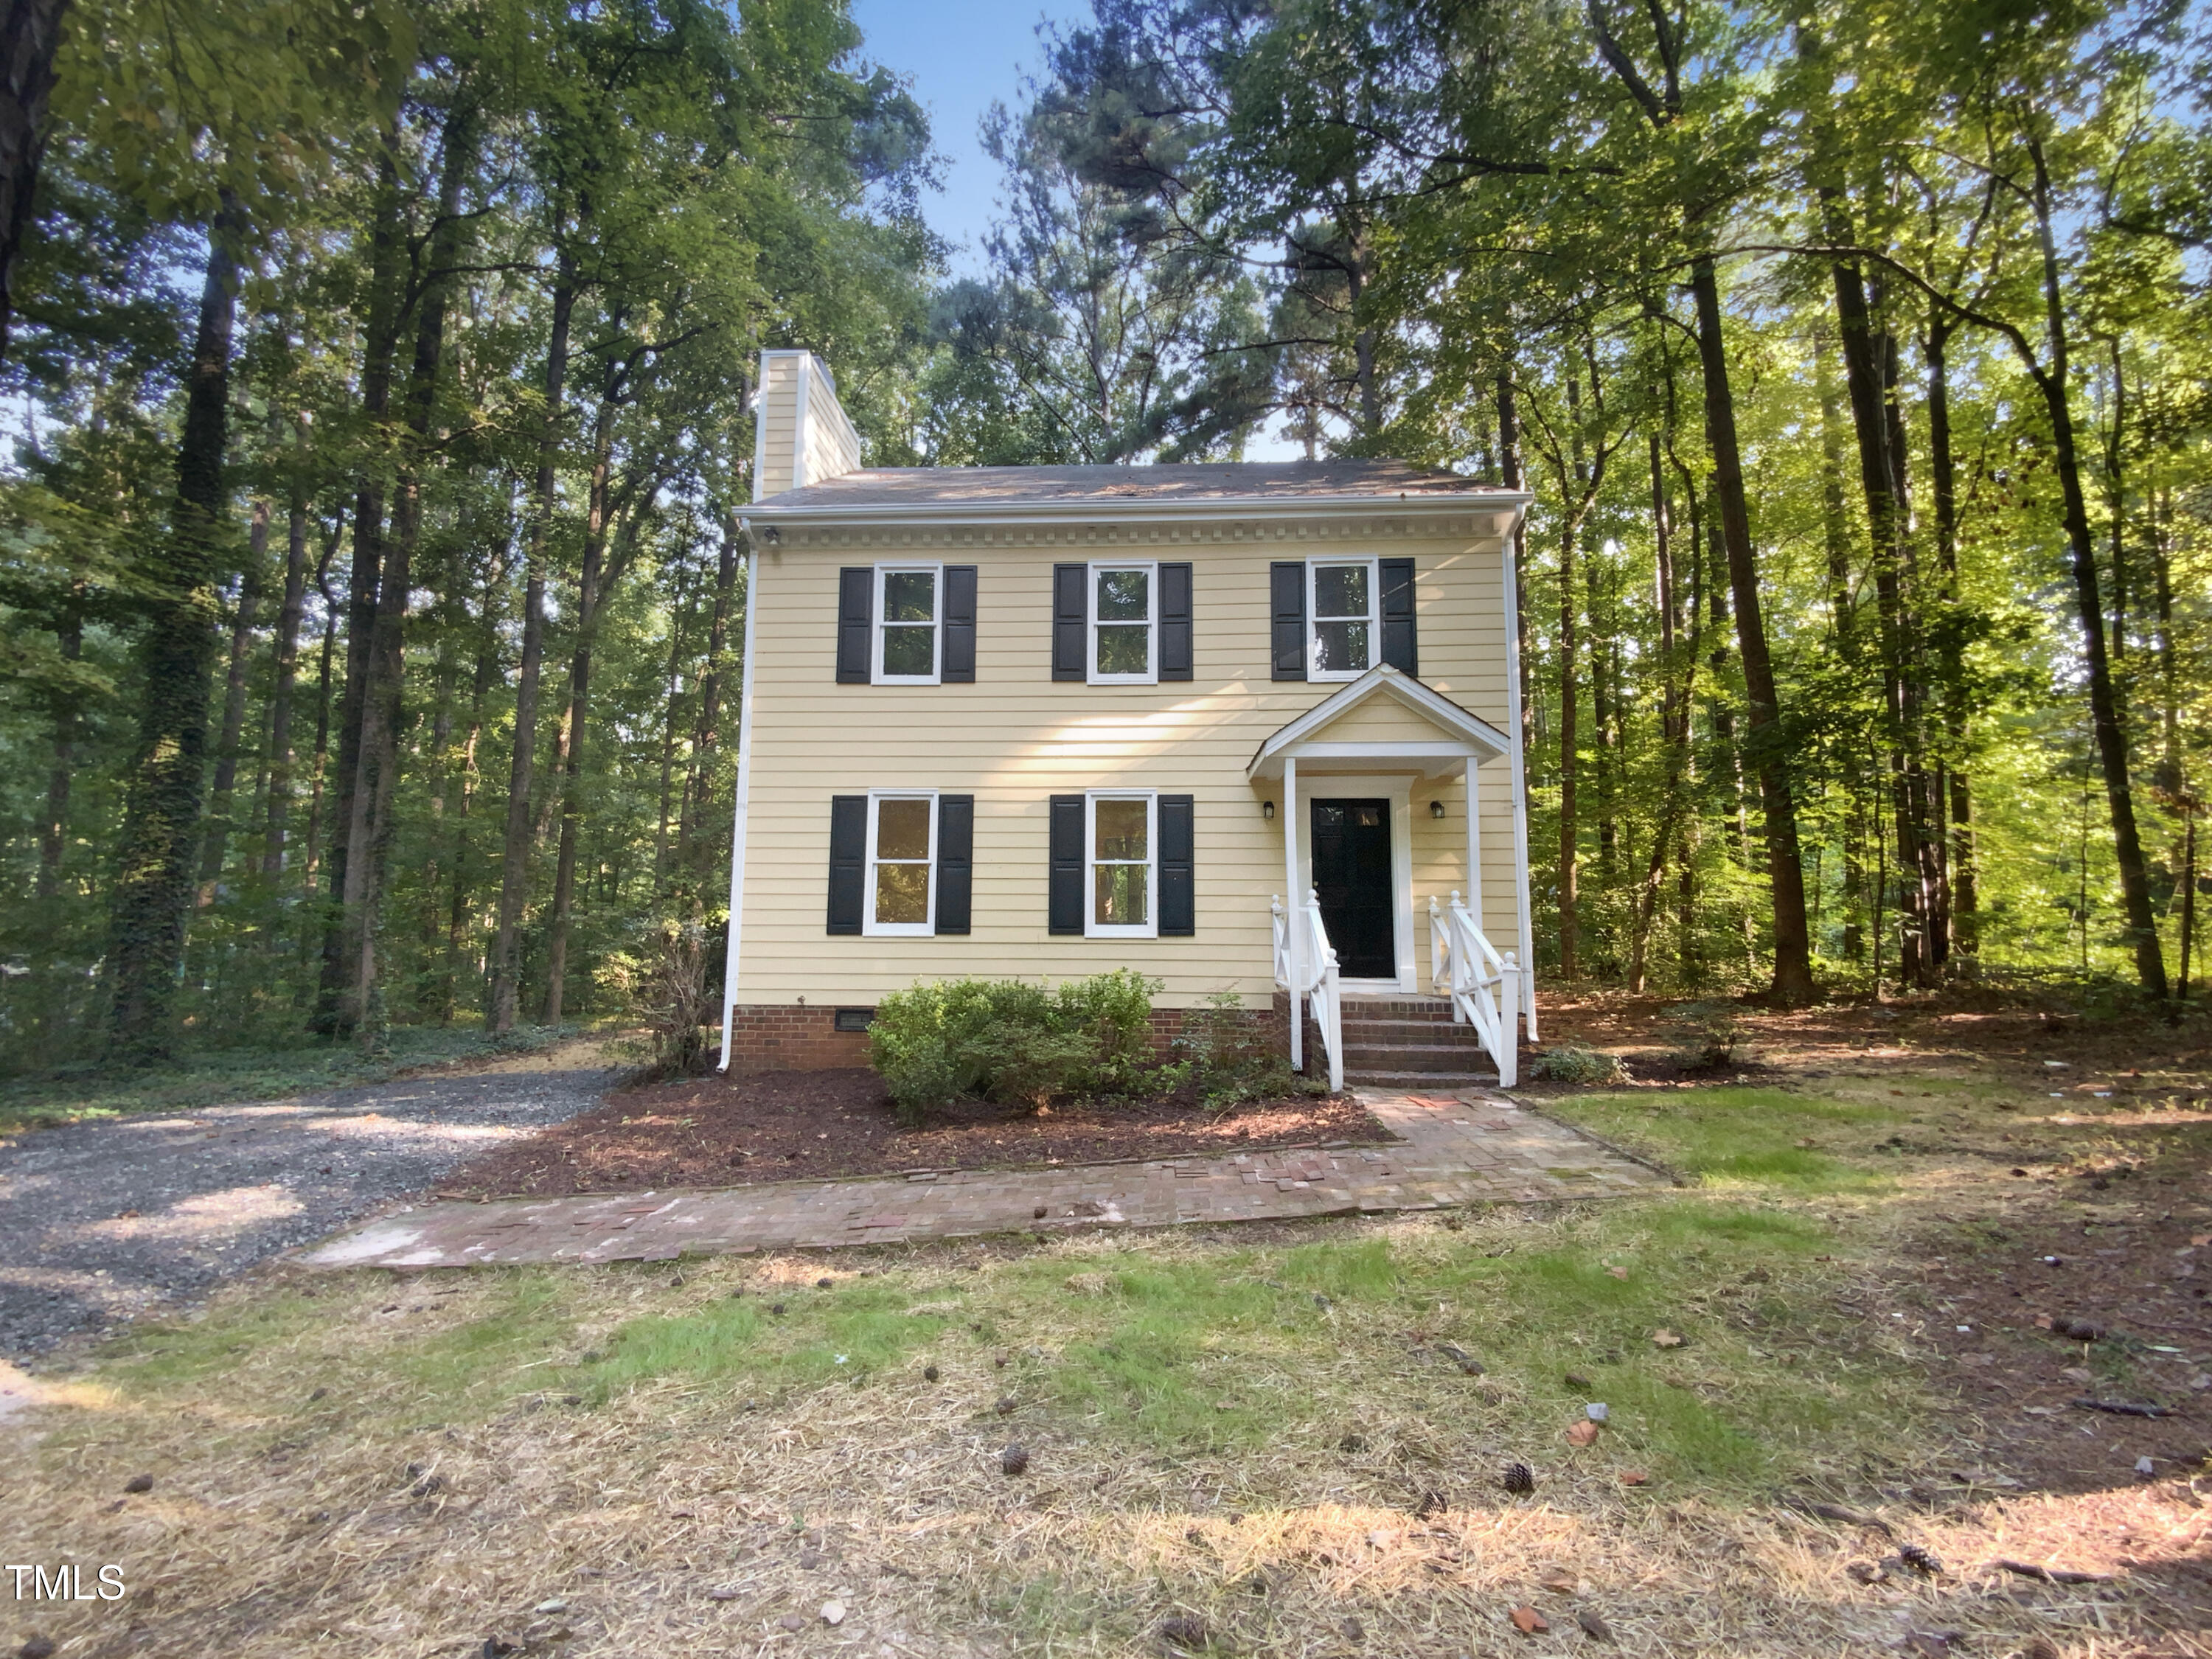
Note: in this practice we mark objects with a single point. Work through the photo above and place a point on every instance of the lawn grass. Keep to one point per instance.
(1795, 1142)
(1245, 1424)
(200, 1078)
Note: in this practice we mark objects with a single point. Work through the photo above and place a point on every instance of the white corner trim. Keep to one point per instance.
(760, 425)
(1519, 784)
(730, 956)
(801, 417)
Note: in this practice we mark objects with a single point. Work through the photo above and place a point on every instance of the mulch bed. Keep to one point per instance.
(788, 1126)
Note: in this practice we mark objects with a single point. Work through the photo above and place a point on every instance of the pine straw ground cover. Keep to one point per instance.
(1253, 1440)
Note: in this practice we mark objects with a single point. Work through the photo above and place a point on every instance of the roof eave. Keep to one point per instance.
(1493, 501)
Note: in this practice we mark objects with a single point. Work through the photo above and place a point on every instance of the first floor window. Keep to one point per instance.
(902, 848)
(1343, 612)
(1121, 614)
(1121, 852)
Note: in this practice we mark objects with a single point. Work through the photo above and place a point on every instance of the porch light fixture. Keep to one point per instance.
(1267, 810)
(1435, 809)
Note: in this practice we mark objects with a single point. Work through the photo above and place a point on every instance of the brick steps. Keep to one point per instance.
(1411, 1042)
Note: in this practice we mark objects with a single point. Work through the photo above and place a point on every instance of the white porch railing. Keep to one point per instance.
(1485, 987)
(1305, 966)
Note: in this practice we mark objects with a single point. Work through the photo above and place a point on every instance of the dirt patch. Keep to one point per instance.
(788, 1126)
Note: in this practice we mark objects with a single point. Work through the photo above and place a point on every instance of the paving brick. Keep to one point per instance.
(1440, 1160)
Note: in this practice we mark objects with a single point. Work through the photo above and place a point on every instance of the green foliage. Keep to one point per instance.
(1575, 1062)
(1010, 1041)
(1229, 1056)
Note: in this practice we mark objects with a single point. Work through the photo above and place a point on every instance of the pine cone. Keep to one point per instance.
(1920, 1559)
(1518, 1480)
(1015, 1460)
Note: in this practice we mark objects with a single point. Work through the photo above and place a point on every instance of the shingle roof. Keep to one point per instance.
(973, 486)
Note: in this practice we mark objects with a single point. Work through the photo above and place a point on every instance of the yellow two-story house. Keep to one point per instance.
(1243, 728)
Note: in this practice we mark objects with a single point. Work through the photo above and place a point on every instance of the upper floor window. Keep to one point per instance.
(907, 628)
(1344, 624)
(1123, 639)
(906, 624)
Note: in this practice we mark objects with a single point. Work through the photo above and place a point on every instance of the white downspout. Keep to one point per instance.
(744, 796)
(1520, 781)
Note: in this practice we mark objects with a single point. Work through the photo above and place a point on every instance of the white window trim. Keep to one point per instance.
(1314, 620)
(936, 675)
(1152, 674)
(1092, 929)
(870, 927)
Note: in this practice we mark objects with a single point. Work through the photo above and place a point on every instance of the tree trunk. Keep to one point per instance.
(1963, 906)
(376, 790)
(1793, 963)
(335, 1001)
(1679, 668)
(580, 693)
(1868, 353)
(1570, 714)
(1514, 477)
(514, 868)
(30, 31)
(2103, 698)
(234, 706)
(53, 827)
(153, 885)
(288, 672)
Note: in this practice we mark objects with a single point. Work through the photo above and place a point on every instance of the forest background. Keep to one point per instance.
(371, 554)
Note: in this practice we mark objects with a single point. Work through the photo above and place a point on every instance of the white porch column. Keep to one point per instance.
(1474, 847)
(1297, 919)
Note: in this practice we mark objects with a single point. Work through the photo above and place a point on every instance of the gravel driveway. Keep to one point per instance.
(109, 1220)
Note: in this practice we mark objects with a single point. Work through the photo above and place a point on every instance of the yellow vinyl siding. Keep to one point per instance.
(1016, 737)
(1379, 719)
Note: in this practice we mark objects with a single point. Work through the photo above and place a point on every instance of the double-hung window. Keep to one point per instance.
(902, 853)
(908, 613)
(1341, 603)
(1124, 612)
(1122, 841)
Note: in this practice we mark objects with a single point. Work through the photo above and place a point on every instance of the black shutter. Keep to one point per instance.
(956, 860)
(1175, 622)
(1071, 619)
(1398, 642)
(856, 621)
(959, 665)
(1178, 901)
(1287, 579)
(1064, 898)
(849, 861)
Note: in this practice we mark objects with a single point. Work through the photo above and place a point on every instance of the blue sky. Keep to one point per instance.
(963, 54)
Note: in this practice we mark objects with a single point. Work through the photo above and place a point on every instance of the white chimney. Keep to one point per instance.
(800, 433)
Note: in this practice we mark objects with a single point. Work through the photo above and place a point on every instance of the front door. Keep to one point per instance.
(1352, 875)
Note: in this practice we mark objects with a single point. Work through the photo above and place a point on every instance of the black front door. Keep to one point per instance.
(1352, 874)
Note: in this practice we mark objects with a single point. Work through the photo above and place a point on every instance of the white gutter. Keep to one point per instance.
(1272, 506)
(744, 798)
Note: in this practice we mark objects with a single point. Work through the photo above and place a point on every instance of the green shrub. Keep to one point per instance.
(1009, 1041)
(1710, 1037)
(1231, 1059)
(1573, 1062)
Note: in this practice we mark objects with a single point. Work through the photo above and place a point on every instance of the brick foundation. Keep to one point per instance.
(770, 1037)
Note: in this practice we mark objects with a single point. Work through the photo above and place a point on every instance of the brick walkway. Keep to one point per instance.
(1471, 1148)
